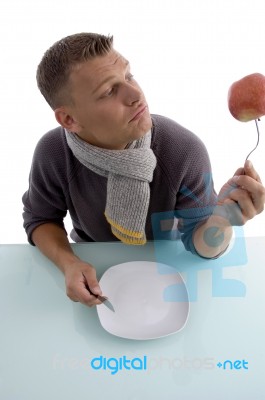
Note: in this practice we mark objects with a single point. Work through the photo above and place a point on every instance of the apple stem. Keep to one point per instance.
(257, 126)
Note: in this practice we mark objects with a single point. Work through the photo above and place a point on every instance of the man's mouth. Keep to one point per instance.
(139, 113)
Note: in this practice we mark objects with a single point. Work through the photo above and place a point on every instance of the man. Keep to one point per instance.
(112, 166)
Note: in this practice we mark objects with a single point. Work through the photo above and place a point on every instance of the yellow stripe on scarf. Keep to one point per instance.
(125, 231)
(125, 235)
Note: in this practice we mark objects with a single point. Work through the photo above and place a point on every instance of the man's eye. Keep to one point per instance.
(112, 90)
(109, 92)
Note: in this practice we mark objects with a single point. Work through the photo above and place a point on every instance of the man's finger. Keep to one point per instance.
(250, 171)
(255, 190)
(91, 282)
(239, 171)
(85, 297)
(80, 294)
(248, 183)
(243, 199)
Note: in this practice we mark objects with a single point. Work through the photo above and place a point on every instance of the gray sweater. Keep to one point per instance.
(182, 187)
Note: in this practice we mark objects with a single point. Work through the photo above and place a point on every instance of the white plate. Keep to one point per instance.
(150, 300)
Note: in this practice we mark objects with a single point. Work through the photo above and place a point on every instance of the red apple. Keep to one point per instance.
(246, 98)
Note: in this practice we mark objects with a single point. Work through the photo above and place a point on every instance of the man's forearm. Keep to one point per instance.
(52, 241)
(212, 237)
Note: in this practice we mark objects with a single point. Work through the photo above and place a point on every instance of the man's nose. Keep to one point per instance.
(131, 94)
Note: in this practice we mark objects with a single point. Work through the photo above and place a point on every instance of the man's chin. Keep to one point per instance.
(140, 134)
(143, 126)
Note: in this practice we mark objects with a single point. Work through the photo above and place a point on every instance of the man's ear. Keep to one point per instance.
(66, 120)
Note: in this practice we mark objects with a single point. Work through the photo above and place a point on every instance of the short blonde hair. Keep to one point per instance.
(59, 60)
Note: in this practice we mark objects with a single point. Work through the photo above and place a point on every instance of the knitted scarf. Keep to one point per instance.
(129, 173)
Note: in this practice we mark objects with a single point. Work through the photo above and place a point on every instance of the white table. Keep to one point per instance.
(47, 342)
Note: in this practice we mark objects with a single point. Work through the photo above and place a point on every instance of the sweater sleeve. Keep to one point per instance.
(196, 197)
(186, 166)
(44, 201)
(191, 211)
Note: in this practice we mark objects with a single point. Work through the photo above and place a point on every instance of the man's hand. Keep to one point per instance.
(243, 195)
(239, 200)
(80, 277)
(81, 281)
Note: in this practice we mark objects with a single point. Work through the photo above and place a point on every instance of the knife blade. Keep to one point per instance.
(103, 299)
(106, 302)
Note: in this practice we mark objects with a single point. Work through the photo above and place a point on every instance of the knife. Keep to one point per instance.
(103, 299)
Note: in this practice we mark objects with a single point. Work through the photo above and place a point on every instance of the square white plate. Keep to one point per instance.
(150, 300)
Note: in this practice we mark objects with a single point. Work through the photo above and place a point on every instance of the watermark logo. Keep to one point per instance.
(233, 365)
(117, 364)
(173, 225)
(181, 363)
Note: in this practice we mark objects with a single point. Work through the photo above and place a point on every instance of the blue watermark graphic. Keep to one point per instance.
(118, 364)
(173, 253)
(172, 232)
(233, 365)
(148, 364)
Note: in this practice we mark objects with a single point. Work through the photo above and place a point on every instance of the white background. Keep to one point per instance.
(184, 54)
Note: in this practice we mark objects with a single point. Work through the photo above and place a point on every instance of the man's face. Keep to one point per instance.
(109, 108)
